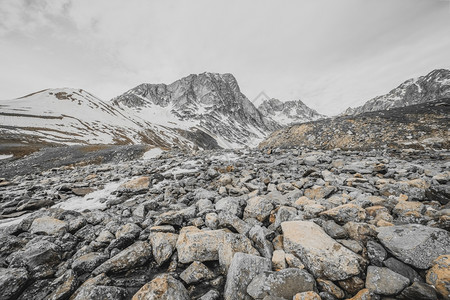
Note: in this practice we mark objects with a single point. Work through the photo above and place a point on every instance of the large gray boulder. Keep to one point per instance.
(196, 245)
(384, 281)
(244, 267)
(323, 256)
(133, 256)
(415, 244)
(284, 284)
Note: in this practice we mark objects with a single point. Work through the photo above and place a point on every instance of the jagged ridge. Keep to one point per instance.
(435, 85)
(289, 112)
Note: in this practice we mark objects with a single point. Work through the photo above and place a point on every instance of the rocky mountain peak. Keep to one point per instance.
(288, 112)
(433, 86)
(212, 102)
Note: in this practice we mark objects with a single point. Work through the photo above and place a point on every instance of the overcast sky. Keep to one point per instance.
(331, 54)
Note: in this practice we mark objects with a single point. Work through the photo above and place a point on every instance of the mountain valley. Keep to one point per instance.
(189, 191)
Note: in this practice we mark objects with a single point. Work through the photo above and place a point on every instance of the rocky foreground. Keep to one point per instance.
(283, 224)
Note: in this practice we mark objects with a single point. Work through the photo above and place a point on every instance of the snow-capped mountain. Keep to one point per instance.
(209, 102)
(289, 112)
(433, 86)
(74, 116)
(206, 110)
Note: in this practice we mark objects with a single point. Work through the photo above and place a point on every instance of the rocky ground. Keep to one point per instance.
(422, 126)
(249, 224)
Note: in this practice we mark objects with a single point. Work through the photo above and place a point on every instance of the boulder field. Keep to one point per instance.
(243, 224)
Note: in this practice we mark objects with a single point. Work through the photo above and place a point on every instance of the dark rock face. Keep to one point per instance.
(288, 112)
(217, 224)
(433, 86)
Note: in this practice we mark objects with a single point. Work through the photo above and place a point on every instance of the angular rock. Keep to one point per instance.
(322, 255)
(38, 257)
(383, 281)
(12, 282)
(319, 192)
(279, 260)
(284, 284)
(211, 295)
(243, 268)
(352, 285)
(419, 291)
(330, 288)
(170, 218)
(67, 284)
(212, 220)
(196, 245)
(439, 275)
(293, 261)
(101, 292)
(162, 287)
(258, 208)
(39, 289)
(415, 244)
(133, 256)
(283, 214)
(229, 204)
(233, 243)
(48, 226)
(265, 248)
(376, 253)
(196, 272)
(88, 262)
(352, 245)
(163, 245)
(360, 231)
(402, 269)
(229, 220)
(136, 185)
(129, 228)
(346, 213)
(334, 230)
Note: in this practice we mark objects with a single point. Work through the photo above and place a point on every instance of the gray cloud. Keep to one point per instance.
(331, 54)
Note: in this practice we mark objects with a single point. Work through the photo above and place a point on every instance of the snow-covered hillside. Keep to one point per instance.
(74, 116)
(433, 86)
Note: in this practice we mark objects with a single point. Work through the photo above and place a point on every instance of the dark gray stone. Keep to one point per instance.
(415, 244)
(419, 291)
(243, 268)
(384, 281)
(403, 269)
(377, 254)
(285, 284)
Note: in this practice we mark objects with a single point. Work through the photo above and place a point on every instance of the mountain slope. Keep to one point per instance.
(419, 126)
(289, 112)
(209, 102)
(433, 86)
(74, 116)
